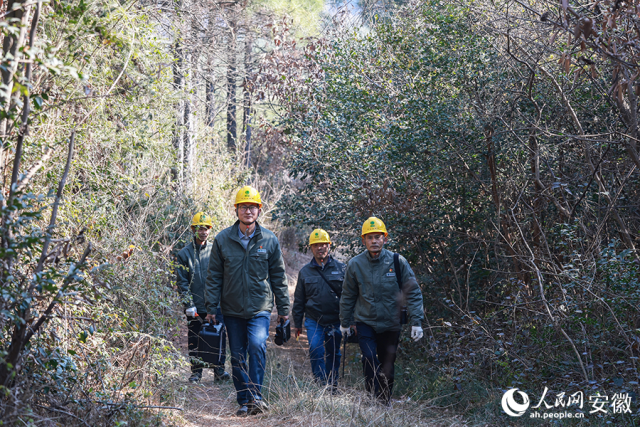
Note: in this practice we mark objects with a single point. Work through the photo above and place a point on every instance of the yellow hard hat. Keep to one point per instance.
(319, 236)
(248, 194)
(201, 218)
(374, 225)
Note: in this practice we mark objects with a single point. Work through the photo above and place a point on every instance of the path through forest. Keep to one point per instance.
(213, 403)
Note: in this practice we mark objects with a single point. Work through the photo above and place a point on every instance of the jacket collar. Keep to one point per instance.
(235, 230)
(383, 255)
(315, 264)
(196, 246)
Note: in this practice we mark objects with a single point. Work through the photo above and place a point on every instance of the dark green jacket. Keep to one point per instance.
(370, 293)
(314, 298)
(191, 275)
(245, 282)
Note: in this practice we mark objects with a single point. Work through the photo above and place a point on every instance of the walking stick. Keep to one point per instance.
(344, 356)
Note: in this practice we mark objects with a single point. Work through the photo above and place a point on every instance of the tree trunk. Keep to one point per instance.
(178, 130)
(246, 119)
(210, 99)
(189, 129)
(231, 88)
(11, 48)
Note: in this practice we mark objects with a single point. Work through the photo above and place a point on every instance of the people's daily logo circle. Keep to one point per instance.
(513, 408)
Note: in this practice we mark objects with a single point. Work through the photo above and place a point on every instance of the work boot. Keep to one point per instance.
(195, 377)
(221, 375)
(257, 407)
(243, 411)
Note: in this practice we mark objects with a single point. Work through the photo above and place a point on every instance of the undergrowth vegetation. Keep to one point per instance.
(92, 215)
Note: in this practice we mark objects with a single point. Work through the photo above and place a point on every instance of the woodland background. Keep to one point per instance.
(498, 140)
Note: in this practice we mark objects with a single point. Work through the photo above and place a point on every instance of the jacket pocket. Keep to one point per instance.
(258, 267)
(389, 287)
(311, 286)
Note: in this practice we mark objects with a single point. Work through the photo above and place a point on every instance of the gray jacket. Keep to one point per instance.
(245, 281)
(371, 295)
(191, 274)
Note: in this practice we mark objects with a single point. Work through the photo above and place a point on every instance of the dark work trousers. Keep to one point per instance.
(195, 324)
(378, 356)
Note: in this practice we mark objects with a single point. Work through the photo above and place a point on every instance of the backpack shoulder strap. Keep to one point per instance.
(396, 266)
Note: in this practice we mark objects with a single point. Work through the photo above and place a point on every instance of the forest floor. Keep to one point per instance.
(294, 398)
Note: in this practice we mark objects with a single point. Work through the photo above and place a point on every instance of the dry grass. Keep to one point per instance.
(296, 400)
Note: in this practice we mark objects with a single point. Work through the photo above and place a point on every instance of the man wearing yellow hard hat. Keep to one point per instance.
(379, 290)
(317, 297)
(246, 272)
(191, 274)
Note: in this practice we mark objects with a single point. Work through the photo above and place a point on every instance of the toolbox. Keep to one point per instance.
(211, 341)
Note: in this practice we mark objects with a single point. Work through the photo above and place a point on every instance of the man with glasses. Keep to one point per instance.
(191, 274)
(317, 298)
(246, 272)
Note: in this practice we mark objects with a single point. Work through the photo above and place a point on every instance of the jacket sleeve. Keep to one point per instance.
(215, 279)
(278, 280)
(412, 294)
(183, 280)
(349, 297)
(299, 301)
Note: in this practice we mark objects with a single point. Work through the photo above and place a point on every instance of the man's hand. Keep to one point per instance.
(345, 331)
(416, 333)
(298, 332)
(282, 318)
(211, 318)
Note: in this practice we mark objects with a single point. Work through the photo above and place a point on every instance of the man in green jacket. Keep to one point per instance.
(372, 302)
(246, 271)
(191, 274)
(317, 298)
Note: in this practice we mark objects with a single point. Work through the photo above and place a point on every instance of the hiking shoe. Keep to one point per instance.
(257, 407)
(195, 377)
(243, 411)
(224, 376)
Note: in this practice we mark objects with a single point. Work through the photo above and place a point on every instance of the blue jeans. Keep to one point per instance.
(248, 335)
(324, 350)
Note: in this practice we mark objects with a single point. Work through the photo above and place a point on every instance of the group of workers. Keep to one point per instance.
(235, 279)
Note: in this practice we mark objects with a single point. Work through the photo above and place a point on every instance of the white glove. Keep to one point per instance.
(416, 333)
(345, 331)
(191, 312)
